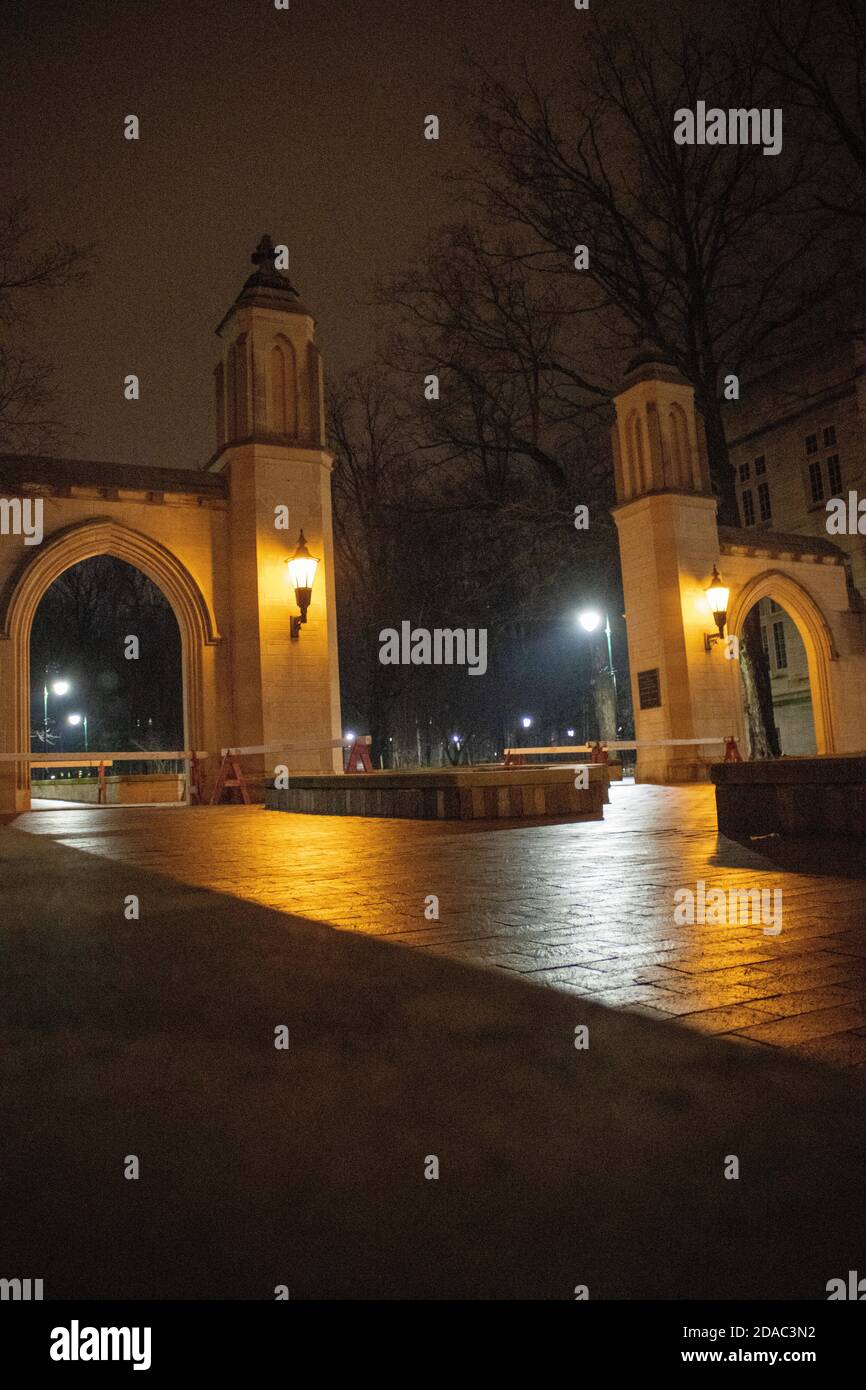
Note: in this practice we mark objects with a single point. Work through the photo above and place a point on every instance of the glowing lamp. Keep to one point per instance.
(302, 571)
(589, 620)
(717, 598)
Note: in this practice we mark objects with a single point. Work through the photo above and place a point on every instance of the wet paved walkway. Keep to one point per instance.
(309, 1167)
(586, 908)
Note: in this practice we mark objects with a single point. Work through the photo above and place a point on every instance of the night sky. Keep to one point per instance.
(306, 124)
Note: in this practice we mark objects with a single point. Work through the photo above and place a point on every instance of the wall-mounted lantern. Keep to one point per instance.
(717, 597)
(302, 572)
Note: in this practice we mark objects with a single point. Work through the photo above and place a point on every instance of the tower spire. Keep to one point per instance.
(269, 287)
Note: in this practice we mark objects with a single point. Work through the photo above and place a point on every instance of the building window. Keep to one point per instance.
(764, 502)
(744, 472)
(774, 606)
(748, 508)
(765, 641)
(811, 443)
(834, 474)
(816, 484)
(829, 436)
(760, 465)
(779, 646)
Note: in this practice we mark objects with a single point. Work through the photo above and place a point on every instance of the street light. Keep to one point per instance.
(526, 722)
(75, 720)
(590, 621)
(58, 687)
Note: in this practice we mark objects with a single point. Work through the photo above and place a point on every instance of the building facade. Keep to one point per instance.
(797, 438)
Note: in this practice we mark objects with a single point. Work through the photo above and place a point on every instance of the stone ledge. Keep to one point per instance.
(446, 794)
(820, 796)
(800, 772)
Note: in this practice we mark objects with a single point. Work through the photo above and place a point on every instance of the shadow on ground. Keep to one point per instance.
(305, 1167)
(837, 858)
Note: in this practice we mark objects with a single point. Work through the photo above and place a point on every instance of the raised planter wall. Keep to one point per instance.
(465, 794)
(821, 796)
(143, 788)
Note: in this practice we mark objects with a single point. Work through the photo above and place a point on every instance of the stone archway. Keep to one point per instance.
(103, 536)
(814, 632)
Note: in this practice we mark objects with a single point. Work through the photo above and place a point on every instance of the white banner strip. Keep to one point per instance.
(296, 747)
(94, 759)
(646, 743)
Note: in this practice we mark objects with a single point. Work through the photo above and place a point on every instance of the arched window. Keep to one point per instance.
(679, 441)
(240, 386)
(283, 404)
(220, 390)
(231, 400)
(639, 470)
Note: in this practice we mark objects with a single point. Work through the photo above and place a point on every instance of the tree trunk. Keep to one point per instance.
(754, 662)
(755, 670)
(720, 464)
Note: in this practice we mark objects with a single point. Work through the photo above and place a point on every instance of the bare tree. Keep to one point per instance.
(712, 252)
(28, 396)
(504, 348)
(816, 50)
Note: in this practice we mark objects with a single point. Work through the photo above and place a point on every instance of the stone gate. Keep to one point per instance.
(669, 542)
(215, 541)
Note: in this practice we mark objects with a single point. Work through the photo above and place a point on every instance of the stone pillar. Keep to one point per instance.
(270, 442)
(669, 542)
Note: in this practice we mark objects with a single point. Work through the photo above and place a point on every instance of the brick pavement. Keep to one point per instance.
(605, 1167)
(585, 908)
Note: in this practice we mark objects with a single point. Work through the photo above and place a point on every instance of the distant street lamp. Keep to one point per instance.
(75, 720)
(526, 722)
(590, 621)
(58, 687)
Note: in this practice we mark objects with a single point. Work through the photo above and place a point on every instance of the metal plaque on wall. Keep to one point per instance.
(649, 689)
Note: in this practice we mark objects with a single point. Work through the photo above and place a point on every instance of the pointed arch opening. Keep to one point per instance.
(813, 633)
(67, 548)
(284, 388)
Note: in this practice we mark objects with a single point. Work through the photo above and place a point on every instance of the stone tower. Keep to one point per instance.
(271, 444)
(669, 542)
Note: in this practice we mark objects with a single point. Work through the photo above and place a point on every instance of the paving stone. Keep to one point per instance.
(723, 1020)
(804, 1001)
(840, 1049)
(590, 904)
(786, 1032)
